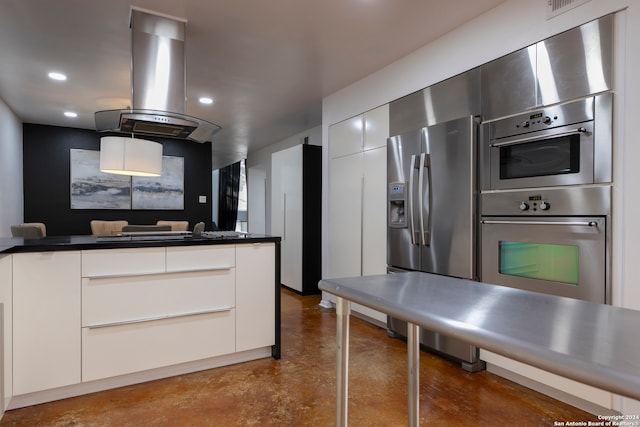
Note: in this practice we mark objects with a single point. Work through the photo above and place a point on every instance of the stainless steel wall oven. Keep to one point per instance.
(558, 246)
(567, 144)
(545, 201)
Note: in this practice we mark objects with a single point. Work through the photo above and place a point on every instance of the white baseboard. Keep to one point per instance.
(135, 378)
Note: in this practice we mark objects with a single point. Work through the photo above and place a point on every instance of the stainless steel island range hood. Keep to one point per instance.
(158, 84)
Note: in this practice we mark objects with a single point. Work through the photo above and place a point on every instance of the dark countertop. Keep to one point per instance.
(74, 243)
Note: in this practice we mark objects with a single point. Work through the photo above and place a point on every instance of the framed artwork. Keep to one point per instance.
(92, 189)
(162, 192)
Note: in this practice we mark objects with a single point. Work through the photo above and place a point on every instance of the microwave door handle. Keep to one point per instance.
(411, 215)
(582, 223)
(535, 138)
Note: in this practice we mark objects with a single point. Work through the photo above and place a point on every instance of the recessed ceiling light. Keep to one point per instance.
(57, 76)
(205, 100)
(70, 114)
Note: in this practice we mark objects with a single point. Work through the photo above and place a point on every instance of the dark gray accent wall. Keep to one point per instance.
(47, 195)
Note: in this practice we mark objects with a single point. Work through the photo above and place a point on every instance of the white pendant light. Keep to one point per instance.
(130, 156)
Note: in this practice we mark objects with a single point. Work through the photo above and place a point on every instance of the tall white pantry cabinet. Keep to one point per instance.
(357, 198)
(296, 212)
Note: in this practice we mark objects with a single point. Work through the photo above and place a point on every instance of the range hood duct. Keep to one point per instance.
(158, 86)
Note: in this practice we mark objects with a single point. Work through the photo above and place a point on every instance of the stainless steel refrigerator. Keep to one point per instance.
(431, 175)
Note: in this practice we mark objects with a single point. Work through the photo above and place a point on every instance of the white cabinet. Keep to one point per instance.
(345, 216)
(357, 197)
(346, 137)
(46, 320)
(296, 188)
(6, 298)
(82, 321)
(194, 258)
(255, 296)
(134, 261)
(376, 128)
(374, 211)
(172, 309)
(286, 212)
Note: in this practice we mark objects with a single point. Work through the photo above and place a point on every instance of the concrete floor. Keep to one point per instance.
(299, 389)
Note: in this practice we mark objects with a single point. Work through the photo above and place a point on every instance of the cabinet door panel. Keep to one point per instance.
(509, 84)
(576, 63)
(255, 296)
(118, 350)
(125, 299)
(109, 262)
(345, 213)
(376, 127)
(46, 319)
(187, 258)
(374, 212)
(6, 297)
(286, 216)
(345, 137)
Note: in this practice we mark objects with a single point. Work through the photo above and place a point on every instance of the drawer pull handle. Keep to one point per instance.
(153, 319)
(134, 274)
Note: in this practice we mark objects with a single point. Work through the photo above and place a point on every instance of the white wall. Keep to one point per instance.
(513, 25)
(11, 187)
(259, 178)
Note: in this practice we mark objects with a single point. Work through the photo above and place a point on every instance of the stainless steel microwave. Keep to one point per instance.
(566, 144)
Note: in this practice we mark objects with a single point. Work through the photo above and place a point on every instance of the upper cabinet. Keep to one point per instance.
(376, 128)
(360, 133)
(576, 63)
(346, 136)
(570, 65)
(450, 99)
(509, 84)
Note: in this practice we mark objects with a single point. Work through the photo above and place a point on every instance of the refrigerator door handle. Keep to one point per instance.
(425, 164)
(411, 211)
(420, 197)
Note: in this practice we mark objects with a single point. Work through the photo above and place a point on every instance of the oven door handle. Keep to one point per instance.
(534, 138)
(583, 223)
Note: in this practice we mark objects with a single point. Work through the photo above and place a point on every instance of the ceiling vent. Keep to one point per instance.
(556, 7)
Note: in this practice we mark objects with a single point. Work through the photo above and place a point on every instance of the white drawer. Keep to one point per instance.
(183, 258)
(118, 350)
(113, 300)
(113, 262)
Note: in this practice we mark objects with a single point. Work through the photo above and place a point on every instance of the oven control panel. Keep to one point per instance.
(565, 201)
(534, 203)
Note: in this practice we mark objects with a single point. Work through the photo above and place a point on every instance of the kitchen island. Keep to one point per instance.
(87, 313)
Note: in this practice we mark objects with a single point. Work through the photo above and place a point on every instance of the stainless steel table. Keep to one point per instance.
(595, 344)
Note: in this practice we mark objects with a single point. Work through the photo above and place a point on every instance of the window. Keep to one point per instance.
(242, 219)
(558, 263)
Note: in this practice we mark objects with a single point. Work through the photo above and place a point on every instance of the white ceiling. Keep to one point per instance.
(266, 64)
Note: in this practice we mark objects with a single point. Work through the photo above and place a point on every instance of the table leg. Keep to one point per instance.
(413, 373)
(343, 308)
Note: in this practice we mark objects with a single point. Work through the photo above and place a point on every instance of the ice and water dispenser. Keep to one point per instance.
(397, 199)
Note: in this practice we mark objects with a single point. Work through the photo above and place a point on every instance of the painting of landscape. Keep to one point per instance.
(163, 192)
(92, 189)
